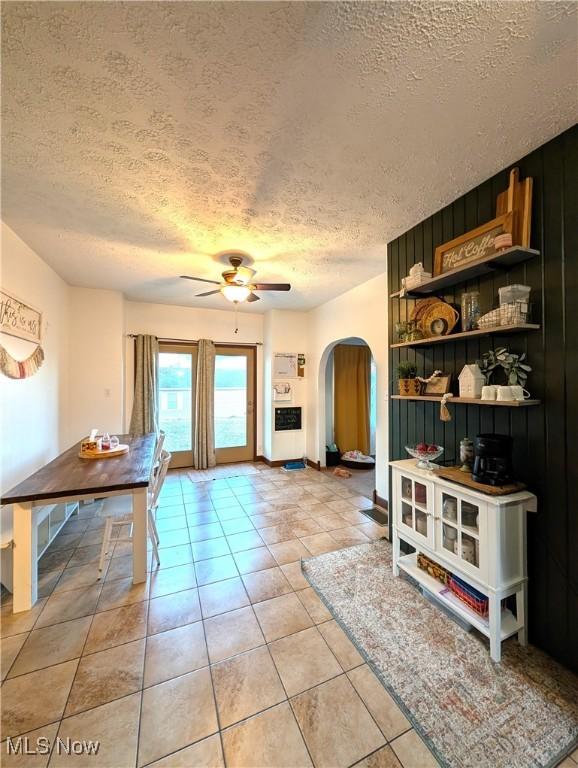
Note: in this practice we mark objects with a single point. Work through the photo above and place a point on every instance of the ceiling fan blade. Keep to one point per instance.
(207, 293)
(272, 287)
(252, 297)
(200, 279)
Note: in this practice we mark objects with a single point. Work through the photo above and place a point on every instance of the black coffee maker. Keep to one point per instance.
(493, 459)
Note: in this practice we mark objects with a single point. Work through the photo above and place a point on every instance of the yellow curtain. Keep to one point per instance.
(351, 383)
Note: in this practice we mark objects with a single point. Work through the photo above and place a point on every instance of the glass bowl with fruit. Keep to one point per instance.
(425, 453)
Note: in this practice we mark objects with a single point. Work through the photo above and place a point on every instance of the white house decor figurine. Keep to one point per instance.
(471, 381)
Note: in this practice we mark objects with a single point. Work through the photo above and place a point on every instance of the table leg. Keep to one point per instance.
(522, 614)
(139, 535)
(396, 553)
(495, 622)
(24, 558)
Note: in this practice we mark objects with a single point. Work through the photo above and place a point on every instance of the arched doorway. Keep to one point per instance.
(328, 408)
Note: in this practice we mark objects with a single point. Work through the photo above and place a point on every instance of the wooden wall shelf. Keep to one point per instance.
(467, 335)
(502, 260)
(469, 401)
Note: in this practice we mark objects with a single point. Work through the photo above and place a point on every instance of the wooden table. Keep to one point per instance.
(70, 478)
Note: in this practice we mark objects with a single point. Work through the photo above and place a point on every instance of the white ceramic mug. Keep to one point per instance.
(519, 393)
(504, 393)
(489, 392)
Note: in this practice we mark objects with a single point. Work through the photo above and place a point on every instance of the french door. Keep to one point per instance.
(234, 402)
(177, 378)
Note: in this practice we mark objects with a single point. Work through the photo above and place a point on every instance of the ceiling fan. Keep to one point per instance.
(237, 285)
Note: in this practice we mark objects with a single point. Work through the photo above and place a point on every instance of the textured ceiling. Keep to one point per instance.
(139, 139)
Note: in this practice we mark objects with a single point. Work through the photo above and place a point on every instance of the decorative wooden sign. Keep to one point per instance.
(471, 246)
(19, 319)
(518, 198)
(287, 419)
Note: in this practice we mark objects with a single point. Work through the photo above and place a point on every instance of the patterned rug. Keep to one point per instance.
(470, 712)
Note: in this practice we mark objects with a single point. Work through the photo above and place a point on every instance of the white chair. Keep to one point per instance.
(158, 449)
(117, 513)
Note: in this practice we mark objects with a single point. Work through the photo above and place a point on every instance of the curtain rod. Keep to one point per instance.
(196, 341)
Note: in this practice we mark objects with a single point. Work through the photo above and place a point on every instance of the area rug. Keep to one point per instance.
(470, 712)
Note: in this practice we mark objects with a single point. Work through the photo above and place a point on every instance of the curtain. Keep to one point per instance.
(144, 418)
(204, 438)
(351, 388)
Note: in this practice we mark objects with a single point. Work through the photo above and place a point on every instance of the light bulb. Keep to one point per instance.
(235, 293)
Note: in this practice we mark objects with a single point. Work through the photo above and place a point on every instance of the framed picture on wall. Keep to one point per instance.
(285, 365)
(282, 391)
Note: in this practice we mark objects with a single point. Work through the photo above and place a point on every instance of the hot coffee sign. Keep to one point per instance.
(19, 319)
(472, 246)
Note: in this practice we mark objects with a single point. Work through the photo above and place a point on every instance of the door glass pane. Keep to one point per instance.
(421, 522)
(470, 550)
(230, 401)
(450, 538)
(406, 515)
(470, 515)
(175, 400)
(449, 507)
(406, 488)
(420, 494)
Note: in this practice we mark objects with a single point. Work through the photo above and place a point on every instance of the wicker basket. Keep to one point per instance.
(430, 566)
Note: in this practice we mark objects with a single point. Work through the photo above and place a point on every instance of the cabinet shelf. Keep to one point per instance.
(502, 260)
(469, 401)
(509, 624)
(467, 335)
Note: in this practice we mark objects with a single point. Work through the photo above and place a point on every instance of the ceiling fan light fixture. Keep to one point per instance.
(235, 293)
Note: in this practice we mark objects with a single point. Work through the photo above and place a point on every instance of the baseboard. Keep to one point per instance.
(379, 501)
(314, 465)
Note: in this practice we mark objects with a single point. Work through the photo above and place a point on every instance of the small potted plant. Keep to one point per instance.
(409, 386)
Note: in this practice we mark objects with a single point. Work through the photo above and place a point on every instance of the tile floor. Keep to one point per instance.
(225, 656)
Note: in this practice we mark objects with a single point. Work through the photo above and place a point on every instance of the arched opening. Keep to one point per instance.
(361, 420)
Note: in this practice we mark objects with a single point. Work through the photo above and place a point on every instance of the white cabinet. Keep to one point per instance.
(479, 539)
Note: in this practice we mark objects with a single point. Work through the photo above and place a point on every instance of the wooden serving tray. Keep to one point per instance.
(118, 451)
(464, 478)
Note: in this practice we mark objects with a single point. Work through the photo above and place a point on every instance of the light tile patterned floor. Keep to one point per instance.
(225, 656)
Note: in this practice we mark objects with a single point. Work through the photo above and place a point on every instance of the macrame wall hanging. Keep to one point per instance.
(20, 369)
(24, 322)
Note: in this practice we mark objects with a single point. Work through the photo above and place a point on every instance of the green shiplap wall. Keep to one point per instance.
(545, 437)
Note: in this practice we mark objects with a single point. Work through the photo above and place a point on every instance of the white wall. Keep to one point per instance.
(96, 354)
(33, 410)
(170, 322)
(361, 313)
(284, 332)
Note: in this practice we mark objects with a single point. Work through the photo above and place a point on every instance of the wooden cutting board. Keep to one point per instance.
(464, 478)
(518, 199)
(118, 451)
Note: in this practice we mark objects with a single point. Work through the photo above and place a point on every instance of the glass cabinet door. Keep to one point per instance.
(415, 508)
(460, 530)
